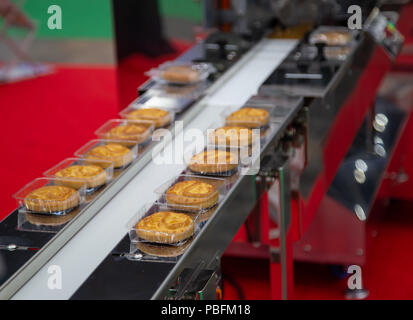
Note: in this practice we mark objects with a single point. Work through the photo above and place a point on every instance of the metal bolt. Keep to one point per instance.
(379, 149)
(359, 176)
(380, 122)
(361, 165)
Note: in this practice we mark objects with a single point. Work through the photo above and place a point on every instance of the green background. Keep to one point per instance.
(93, 19)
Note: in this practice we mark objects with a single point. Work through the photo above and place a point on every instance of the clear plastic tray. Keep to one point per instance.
(341, 36)
(94, 182)
(189, 199)
(29, 221)
(239, 160)
(275, 106)
(139, 234)
(216, 136)
(159, 122)
(249, 122)
(173, 98)
(118, 161)
(196, 72)
(165, 102)
(193, 91)
(154, 252)
(68, 198)
(109, 131)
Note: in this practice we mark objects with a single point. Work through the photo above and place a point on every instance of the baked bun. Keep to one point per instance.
(52, 199)
(160, 117)
(94, 176)
(213, 162)
(228, 135)
(165, 227)
(192, 195)
(137, 133)
(116, 153)
(180, 74)
(249, 117)
(164, 251)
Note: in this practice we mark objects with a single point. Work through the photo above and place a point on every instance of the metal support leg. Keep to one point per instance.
(286, 236)
(280, 235)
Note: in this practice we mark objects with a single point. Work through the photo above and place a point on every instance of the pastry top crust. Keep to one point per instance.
(148, 114)
(166, 222)
(79, 171)
(180, 74)
(126, 132)
(230, 133)
(218, 157)
(53, 193)
(193, 189)
(107, 151)
(250, 115)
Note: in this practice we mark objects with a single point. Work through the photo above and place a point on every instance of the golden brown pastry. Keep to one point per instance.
(213, 162)
(137, 133)
(180, 74)
(248, 117)
(52, 199)
(165, 227)
(94, 176)
(160, 117)
(118, 154)
(332, 38)
(193, 194)
(228, 135)
(163, 250)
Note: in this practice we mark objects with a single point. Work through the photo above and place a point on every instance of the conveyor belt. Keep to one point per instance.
(86, 250)
(107, 282)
